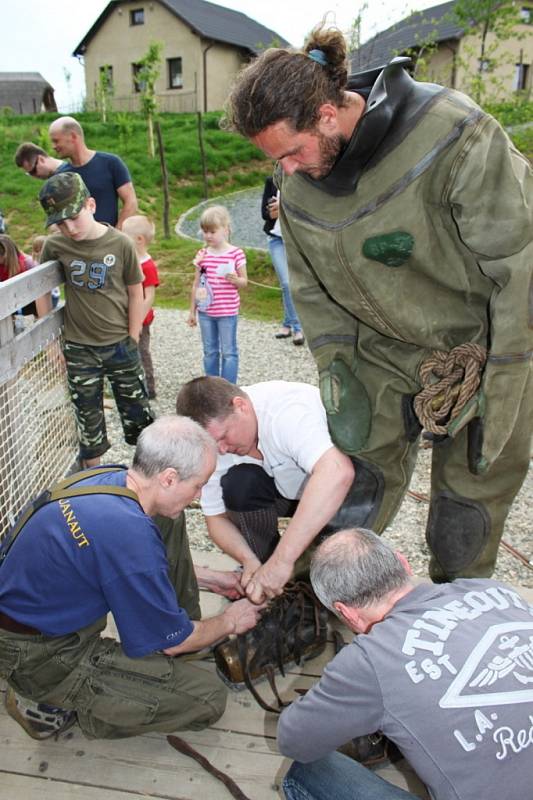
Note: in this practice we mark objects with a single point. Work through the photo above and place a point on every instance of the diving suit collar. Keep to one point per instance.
(388, 90)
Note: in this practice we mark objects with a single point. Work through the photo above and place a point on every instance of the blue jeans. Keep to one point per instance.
(337, 776)
(219, 341)
(279, 259)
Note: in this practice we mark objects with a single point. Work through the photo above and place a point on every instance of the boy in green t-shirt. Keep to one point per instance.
(103, 314)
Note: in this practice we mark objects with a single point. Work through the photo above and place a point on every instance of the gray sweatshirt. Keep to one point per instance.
(447, 676)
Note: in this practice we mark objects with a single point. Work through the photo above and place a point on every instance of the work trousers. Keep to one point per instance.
(116, 696)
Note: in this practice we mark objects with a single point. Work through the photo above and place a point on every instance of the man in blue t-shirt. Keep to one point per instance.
(105, 175)
(78, 558)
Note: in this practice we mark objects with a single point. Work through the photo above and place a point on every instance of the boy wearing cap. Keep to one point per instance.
(103, 314)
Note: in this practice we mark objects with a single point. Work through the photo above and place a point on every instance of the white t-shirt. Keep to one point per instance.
(292, 435)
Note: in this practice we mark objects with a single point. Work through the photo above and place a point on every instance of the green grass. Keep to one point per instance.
(515, 113)
(233, 164)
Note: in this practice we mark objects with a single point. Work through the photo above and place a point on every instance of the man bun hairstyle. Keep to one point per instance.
(288, 84)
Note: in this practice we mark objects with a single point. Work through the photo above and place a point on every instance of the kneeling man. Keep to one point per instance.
(276, 458)
(81, 556)
(444, 671)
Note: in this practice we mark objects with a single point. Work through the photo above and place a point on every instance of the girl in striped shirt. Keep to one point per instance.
(220, 273)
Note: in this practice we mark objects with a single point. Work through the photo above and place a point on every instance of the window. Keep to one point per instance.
(137, 84)
(521, 77)
(175, 79)
(526, 15)
(137, 16)
(106, 76)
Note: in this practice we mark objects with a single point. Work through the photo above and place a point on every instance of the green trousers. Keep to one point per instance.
(116, 696)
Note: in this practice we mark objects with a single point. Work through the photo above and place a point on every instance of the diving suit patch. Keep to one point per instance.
(391, 249)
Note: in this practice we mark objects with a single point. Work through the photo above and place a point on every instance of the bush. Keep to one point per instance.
(511, 113)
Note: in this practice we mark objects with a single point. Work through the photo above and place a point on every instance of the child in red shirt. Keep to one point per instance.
(141, 231)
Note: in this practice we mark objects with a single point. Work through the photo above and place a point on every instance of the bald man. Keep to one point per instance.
(105, 174)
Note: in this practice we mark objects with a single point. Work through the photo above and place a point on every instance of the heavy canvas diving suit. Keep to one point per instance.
(419, 240)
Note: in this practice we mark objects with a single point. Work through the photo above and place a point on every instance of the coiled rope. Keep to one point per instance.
(450, 380)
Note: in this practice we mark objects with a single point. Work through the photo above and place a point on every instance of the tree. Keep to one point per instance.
(149, 68)
(354, 36)
(491, 22)
(104, 90)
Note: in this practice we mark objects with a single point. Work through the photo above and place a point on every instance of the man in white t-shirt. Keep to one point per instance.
(276, 458)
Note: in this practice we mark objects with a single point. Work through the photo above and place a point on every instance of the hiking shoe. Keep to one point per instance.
(39, 720)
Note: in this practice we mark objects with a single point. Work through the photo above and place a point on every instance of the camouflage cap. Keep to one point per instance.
(63, 196)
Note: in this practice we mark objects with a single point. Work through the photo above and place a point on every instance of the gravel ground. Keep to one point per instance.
(246, 222)
(177, 354)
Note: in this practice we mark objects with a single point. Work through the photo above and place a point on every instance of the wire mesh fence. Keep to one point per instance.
(38, 440)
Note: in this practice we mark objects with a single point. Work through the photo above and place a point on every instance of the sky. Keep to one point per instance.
(40, 36)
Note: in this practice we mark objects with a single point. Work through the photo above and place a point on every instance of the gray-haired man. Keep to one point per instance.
(444, 671)
(78, 558)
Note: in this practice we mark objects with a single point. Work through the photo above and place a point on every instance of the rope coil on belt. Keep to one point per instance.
(450, 380)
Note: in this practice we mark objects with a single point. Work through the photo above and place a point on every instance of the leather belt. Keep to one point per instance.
(11, 625)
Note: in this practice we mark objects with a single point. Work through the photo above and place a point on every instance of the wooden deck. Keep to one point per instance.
(242, 744)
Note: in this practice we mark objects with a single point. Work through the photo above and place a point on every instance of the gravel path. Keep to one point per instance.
(246, 222)
(177, 355)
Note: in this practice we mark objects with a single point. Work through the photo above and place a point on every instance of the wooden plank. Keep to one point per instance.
(27, 286)
(7, 332)
(22, 787)
(243, 715)
(146, 765)
(21, 349)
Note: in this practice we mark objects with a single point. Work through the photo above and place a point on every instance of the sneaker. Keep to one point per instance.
(39, 720)
(298, 338)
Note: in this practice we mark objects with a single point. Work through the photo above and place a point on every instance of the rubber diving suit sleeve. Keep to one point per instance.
(332, 335)
(491, 196)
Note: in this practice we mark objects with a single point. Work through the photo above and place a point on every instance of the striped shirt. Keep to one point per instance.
(226, 298)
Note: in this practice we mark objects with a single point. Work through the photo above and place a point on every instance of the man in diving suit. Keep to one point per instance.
(407, 216)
